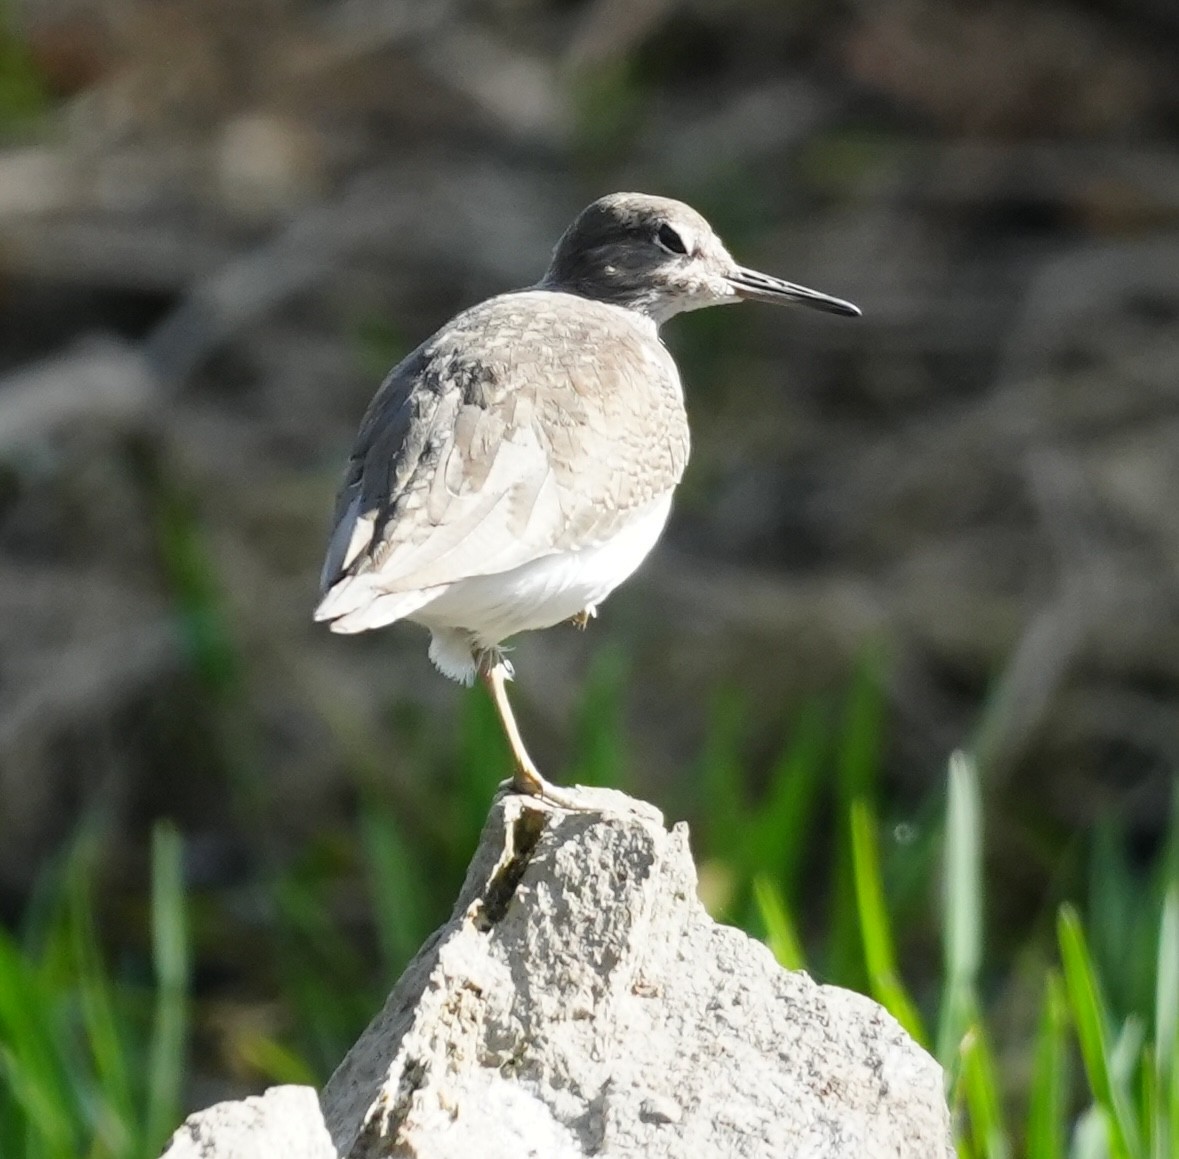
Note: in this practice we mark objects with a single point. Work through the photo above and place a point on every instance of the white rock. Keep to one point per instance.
(581, 1002)
(285, 1121)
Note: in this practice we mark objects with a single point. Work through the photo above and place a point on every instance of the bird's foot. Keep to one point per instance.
(487, 660)
(529, 783)
(582, 619)
(494, 670)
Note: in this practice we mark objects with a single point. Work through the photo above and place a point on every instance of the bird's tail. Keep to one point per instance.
(354, 605)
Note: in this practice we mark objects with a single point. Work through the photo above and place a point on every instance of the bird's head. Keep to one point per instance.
(659, 257)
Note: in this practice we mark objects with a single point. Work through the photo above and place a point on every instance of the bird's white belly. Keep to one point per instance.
(547, 590)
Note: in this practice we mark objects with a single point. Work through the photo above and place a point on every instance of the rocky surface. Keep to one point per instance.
(580, 1001)
(284, 1122)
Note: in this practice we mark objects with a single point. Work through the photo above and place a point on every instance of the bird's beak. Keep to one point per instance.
(762, 288)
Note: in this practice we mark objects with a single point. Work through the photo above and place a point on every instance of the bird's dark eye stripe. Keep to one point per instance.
(670, 240)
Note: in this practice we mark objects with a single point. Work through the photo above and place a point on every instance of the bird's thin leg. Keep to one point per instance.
(526, 779)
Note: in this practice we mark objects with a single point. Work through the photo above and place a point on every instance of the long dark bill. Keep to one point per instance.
(762, 288)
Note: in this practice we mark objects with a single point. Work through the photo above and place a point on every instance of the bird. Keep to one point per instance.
(519, 465)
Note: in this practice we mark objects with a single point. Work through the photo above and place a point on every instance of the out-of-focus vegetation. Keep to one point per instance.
(221, 221)
(1069, 1047)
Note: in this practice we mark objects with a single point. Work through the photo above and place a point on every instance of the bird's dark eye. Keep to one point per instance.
(669, 240)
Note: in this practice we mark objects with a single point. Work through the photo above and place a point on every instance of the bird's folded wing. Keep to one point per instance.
(470, 466)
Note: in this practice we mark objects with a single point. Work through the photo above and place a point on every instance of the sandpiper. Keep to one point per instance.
(519, 465)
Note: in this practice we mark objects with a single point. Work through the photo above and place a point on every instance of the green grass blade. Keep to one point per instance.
(883, 978)
(983, 1098)
(1086, 1005)
(862, 735)
(1150, 1114)
(1048, 1105)
(1165, 1127)
(857, 766)
(1092, 1025)
(1166, 1003)
(963, 882)
(1172, 1098)
(1167, 983)
(781, 935)
(1127, 1050)
(963, 1147)
(1120, 942)
(957, 1009)
(113, 1113)
(1091, 1136)
(1124, 1062)
(36, 1085)
(400, 905)
(1169, 864)
(170, 957)
(962, 902)
(778, 831)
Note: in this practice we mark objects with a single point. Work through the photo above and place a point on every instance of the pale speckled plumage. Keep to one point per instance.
(519, 464)
(503, 438)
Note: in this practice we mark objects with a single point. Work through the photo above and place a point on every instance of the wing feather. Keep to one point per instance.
(505, 437)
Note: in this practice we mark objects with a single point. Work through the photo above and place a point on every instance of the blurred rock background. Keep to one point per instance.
(222, 220)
